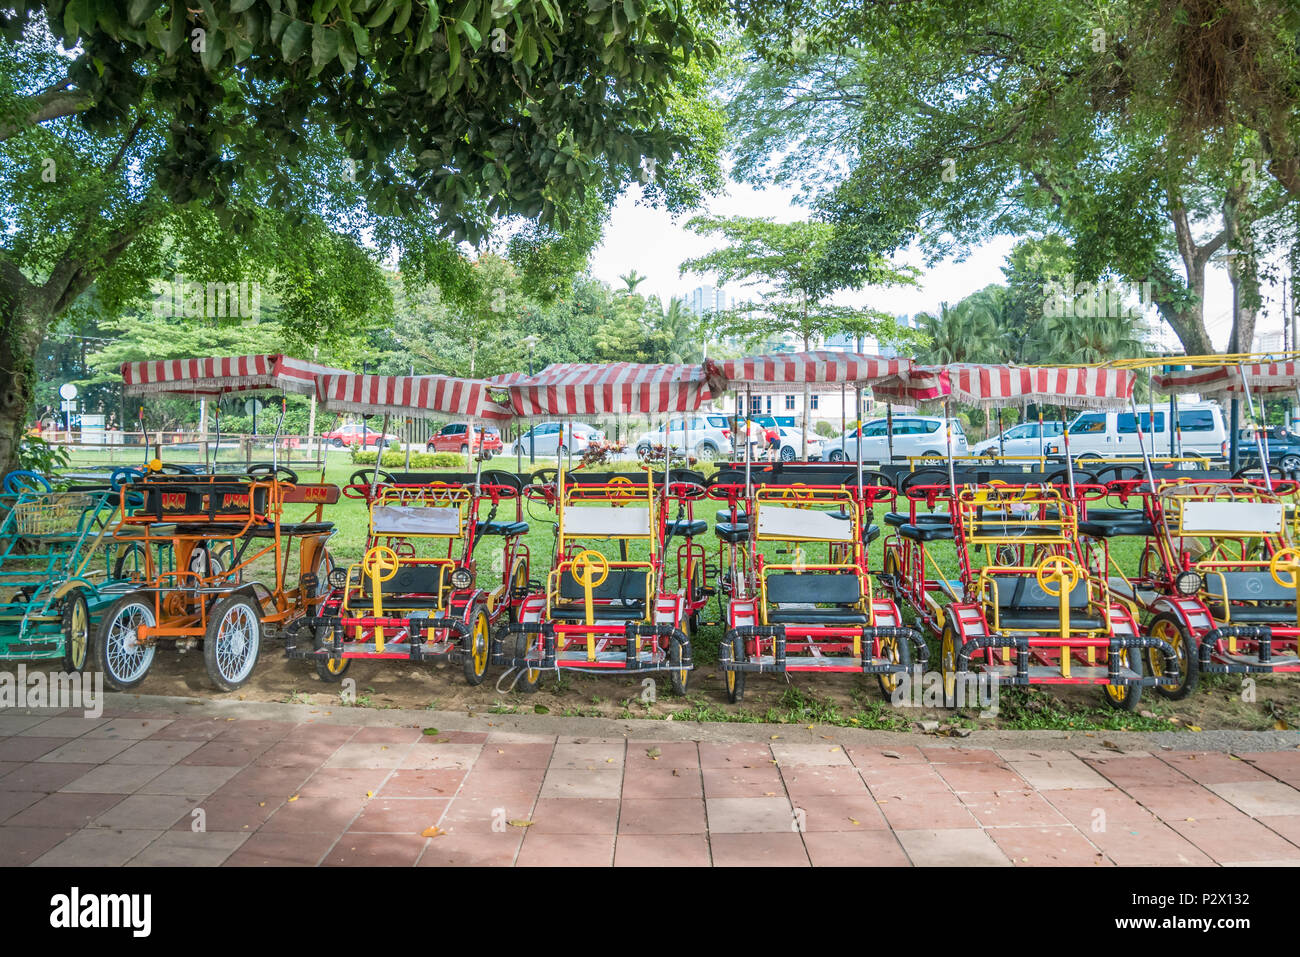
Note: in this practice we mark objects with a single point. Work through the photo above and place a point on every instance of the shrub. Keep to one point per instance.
(825, 429)
(419, 460)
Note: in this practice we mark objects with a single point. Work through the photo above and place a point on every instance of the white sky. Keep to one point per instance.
(650, 241)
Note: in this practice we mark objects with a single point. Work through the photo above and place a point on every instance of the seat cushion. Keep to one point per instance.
(501, 528)
(729, 532)
(1104, 528)
(724, 515)
(688, 528)
(820, 616)
(1046, 619)
(1254, 614)
(599, 612)
(926, 533)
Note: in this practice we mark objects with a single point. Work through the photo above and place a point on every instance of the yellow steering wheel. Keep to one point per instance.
(796, 498)
(622, 491)
(1284, 565)
(1057, 569)
(590, 568)
(380, 563)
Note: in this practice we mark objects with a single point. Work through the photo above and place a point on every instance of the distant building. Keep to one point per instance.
(706, 299)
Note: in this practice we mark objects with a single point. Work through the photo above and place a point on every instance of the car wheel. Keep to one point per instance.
(1290, 464)
(706, 451)
(836, 455)
(337, 443)
(464, 449)
(642, 451)
(787, 453)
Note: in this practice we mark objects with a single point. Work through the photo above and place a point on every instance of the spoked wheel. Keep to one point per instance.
(518, 583)
(949, 645)
(529, 678)
(891, 571)
(232, 642)
(327, 669)
(130, 562)
(1169, 627)
(735, 680)
(119, 652)
(898, 651)
(76, 631)
(695, 593)
(1126, 697)
(679, 677)
(475, 646)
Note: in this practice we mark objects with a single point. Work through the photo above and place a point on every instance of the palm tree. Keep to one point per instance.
(678, 332)
(959, 334)
(631, 280)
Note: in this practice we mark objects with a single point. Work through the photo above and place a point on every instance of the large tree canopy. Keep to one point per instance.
(950, 122)
(303, 143)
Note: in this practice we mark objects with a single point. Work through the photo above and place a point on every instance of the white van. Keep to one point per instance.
(1201, 431)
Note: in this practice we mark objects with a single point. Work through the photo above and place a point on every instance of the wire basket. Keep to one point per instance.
(57, 514)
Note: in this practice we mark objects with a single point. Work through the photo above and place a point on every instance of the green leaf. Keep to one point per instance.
(174, 38)
(214, 45)
(324, 45)
(382, 13)
(403, 15)
(475, 37)
(296, 37)
(453, 50)
(347, 52)
(360, 39)
(239, 6)
(138, 11)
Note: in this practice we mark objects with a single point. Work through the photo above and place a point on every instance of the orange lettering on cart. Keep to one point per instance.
(173, 500)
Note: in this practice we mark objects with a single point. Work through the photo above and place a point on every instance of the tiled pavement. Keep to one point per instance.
(134, 788)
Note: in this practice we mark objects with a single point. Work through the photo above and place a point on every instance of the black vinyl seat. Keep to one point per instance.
(621, 597)
(500, 528)
(413, 587)
(899, 519)
(724, 515)
(732, 533)
(687, 528)
(1025, 605)
(837, 594)
(929, 532)
(1253, 597)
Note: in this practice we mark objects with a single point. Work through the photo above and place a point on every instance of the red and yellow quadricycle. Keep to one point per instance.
(444, 563)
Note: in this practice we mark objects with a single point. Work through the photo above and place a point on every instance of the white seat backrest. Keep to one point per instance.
(1260, 518)
(415, 520)
(600, 522)
(783, 521)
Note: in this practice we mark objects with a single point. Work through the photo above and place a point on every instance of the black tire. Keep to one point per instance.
(949, 645)
(477, 646)
(76, 631)
(642, 452)
(233, 641)
(1128, 697)
(898, 650)
(787, 453)
(932, 455)
(706, 451)
(529, 679)
(464, 450)
(733, 682)
(1170, 627)
(679, 678)
(1290, 464)
(327, 669)
(337, 443)
(835, 455)
(562, 451)
(130, 562)
(123, 661)
(518, 580)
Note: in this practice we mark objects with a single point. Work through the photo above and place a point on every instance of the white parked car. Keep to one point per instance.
(709, 436)
(544, 439)
(1201, 431)
(913, 435)
(792, 444)
(1023, 439)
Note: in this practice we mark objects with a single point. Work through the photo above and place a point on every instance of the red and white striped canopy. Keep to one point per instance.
(506, 379)
(217, 376)
(993, 385)
(419, 396)
(824, 371)
(1261, 377)
(585, 388)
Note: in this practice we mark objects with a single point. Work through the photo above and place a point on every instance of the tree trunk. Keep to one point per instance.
(24, 317)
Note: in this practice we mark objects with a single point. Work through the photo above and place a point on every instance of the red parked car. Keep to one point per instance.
(355, 434)
(456, 438)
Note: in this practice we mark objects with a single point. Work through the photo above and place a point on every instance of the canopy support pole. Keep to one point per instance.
(857, 392)
(1002, 440)
(379, 456)
(947, 437)
(275, 440)
(1261, 444)
(889, 428)
(1065, 436)
(844, 402)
